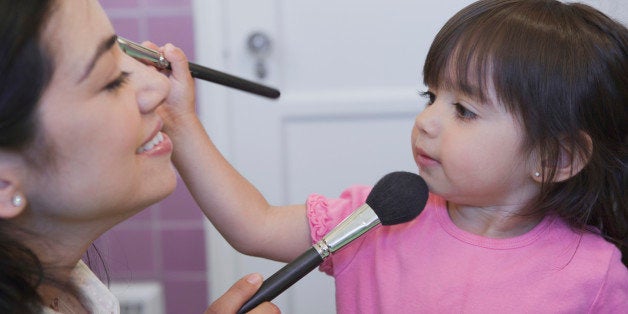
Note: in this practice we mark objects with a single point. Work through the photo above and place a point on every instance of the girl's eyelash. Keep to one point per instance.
(429, 95)
(463, 113)
(118, 82)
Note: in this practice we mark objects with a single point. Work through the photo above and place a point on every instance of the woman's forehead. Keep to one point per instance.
(72, 33)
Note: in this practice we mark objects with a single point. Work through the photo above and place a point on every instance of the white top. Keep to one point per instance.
(101, 300)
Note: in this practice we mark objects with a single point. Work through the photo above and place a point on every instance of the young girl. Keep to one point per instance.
(523, 147)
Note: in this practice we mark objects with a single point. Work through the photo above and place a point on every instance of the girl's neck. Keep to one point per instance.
(491, 222)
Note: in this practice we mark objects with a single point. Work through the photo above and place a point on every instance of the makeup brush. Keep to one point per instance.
(397, 197)
(157, 59)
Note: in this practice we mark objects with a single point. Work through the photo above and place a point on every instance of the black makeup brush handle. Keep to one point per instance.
(207, 74)
(283, 279)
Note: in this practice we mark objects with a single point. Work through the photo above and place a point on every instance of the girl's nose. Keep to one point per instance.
(427, 121)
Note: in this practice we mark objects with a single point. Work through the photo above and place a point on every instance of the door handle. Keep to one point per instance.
(260, 46)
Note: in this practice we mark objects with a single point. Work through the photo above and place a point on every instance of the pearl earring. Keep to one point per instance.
(17, 200)
(537, 174)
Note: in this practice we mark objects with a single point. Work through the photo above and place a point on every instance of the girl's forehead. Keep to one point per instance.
(466, 82)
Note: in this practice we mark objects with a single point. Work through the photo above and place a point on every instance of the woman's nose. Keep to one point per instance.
(153, 88)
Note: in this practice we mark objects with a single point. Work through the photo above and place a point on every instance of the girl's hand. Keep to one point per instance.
(179, 108)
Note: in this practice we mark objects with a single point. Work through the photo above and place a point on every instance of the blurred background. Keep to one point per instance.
(349, 72)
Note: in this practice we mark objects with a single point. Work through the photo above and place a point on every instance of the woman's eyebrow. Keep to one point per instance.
(104, 46)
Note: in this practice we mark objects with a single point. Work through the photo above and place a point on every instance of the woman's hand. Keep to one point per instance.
(240, 292)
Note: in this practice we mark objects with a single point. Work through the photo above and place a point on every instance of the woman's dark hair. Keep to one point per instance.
(562, 69)
(25, 70)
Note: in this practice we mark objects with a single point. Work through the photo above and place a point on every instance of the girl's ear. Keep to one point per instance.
(571, 160)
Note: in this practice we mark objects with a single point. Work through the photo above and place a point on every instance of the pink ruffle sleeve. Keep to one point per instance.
(325, 213)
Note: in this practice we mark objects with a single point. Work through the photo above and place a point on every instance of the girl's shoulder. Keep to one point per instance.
(598, 251)
(591, 258)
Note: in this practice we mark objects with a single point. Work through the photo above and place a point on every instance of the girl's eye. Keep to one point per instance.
(118, 82)
(430, 97)
(463, 113)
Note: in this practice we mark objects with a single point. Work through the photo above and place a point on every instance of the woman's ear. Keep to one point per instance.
(12, 199)
(571, 160)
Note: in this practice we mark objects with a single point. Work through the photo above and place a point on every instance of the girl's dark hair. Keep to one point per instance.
(25, 70)
(562, 69)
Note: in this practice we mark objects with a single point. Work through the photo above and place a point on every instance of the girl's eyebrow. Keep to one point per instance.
(104, 46)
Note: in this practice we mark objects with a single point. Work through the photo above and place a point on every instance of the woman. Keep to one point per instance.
(81, 150)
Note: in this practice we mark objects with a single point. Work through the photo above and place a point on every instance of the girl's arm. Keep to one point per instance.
(235, 207)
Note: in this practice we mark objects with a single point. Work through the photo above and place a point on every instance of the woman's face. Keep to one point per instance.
(98, 120)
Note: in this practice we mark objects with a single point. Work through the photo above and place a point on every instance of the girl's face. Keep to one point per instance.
(470, 152)
(97, 119)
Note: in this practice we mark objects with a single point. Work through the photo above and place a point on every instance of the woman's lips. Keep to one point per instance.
(160, 144)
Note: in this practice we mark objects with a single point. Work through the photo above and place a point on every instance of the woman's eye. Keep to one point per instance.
(118, 82)
(463, 113)
(430, 97)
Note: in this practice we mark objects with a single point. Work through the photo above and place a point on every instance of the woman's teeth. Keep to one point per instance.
(148, 146)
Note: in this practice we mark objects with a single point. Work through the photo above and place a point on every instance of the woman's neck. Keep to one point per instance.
(59, 244)
(61, 300)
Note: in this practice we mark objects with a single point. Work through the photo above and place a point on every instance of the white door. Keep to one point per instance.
(349, 72)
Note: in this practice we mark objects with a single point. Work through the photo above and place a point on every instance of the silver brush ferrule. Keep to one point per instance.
(140, 52)
(360, 221)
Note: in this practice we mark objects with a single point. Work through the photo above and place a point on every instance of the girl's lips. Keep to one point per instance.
(424, 160)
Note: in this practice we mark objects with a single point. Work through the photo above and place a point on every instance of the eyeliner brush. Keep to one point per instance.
(157, 59)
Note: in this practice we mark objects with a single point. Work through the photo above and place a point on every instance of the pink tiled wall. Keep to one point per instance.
(165, 242)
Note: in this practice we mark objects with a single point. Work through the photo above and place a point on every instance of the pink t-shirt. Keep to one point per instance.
(429, 265)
